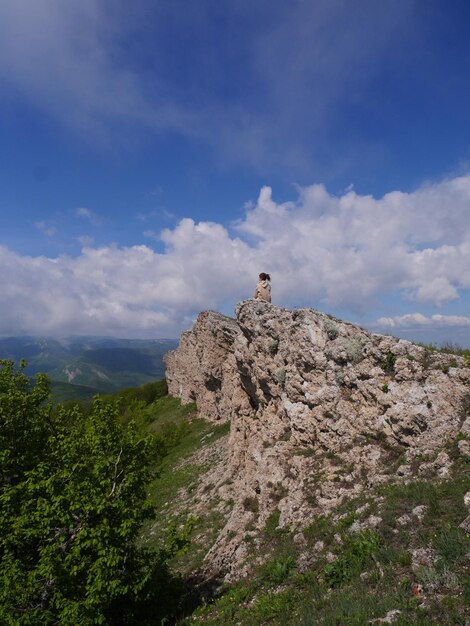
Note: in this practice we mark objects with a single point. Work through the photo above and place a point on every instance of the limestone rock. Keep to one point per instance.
(419, 511)
(390, 618)
(200, 370)
(319, 408)
(464, 447)
(422, 557)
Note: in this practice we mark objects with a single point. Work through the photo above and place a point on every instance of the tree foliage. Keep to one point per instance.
(72, 501)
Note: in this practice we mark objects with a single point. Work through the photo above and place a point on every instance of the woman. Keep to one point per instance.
(263, 288)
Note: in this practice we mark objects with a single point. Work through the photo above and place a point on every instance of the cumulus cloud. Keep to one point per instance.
(123, 291)
(351, 248)
(321, 250)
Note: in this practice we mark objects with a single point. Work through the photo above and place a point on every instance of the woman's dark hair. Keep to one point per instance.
(264, 276)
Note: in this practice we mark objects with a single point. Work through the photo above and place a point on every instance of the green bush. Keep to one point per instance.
(271, 528)
(276, 571)
(273, 345)
(72, 501)
(251, 504)
(331, 329)
(357, 555)
(451, 544)
(388, 364)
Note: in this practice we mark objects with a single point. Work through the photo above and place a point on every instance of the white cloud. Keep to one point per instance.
(88, 215)
(351, 248)
(418, 320)
(321, 250)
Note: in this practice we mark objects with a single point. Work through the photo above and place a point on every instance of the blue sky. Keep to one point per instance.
(155, 156)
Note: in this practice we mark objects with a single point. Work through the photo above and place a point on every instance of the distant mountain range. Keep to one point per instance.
(80, 367)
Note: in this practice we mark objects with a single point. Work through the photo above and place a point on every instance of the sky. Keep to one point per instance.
(156, 156)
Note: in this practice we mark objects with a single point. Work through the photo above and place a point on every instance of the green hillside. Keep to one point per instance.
(64, 392)
(335, 571)
(80, 367)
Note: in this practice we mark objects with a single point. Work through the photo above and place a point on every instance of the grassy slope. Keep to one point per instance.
(180, 472)
(372, 572)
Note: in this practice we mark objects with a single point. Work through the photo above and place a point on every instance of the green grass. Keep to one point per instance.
(176, 473)
(447, 348)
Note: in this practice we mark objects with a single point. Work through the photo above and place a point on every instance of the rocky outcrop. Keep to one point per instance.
(200, 370)
(320, 410)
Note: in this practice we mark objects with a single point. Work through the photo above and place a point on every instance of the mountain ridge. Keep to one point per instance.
(321, 411)
(89, 365)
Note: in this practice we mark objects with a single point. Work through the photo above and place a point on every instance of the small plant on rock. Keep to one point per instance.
(251, 504)
(271, 528)
(273, 345)
(278, 492)
(353, 348)
(339, 377)
(358, 554)
(331, 329)
(388, 364)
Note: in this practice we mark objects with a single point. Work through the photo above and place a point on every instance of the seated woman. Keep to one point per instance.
(263, 288)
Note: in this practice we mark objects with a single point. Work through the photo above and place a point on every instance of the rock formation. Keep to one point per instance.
(320, 411)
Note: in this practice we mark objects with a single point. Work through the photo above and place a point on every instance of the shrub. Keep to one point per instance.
(278, 491)
(353, 348)
(331, 329)
(273, 345)
(281, 375)
(277, 570)
(339, 377)
(358, 554)
(251, 504)
(272, 523)
(451, 544)
(72, 500)
(388, 364)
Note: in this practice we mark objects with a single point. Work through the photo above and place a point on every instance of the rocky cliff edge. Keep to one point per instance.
(321, 410)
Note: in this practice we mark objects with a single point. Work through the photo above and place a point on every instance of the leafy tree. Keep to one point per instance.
(72, 501)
